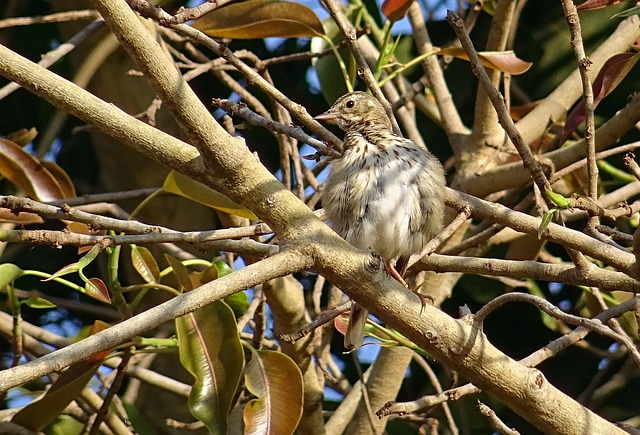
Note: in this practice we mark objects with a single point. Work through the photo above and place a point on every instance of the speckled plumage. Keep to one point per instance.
(385, 193)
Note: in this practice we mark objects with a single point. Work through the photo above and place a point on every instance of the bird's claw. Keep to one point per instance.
(423, 300)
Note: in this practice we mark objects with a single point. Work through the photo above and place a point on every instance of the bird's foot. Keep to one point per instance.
(391, 270)
(423, 300)
(394, 273)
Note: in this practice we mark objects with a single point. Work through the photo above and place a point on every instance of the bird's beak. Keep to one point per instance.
(327, 116)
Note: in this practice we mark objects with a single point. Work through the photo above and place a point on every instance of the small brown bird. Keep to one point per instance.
(385, 193)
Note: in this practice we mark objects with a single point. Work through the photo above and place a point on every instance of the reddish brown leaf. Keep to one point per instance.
(590, 5)
(23, 136)
(505, 61)
(26, 172)
(61, 177)
(97, 289)
(610, 75)
(22, 218)
(256, 19)
(98, 326)
(395, 10)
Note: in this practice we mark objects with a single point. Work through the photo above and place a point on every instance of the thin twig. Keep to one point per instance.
(147, 10)
(529, 161)
(364, 71)
(186, 14)
(86, 14)
(235, 109)
(324, 317)
(546, 306)
(58, 53)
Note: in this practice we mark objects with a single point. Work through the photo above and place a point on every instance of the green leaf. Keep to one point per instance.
(38, 302)
(145, 264)
(93, 287)
(65, 425)
(276, 381)
(334, 81)
(184, 186)
(558, 199)
(77, 267)
(545, 221)
(257, 19)
(238, 303)
(180, 271)
(9, 273)
(635, 10)
(223, 268)
(210, 349)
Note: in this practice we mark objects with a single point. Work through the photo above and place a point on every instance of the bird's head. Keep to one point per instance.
(357, 111)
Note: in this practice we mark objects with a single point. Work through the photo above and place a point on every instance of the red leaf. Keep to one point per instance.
(395, 10)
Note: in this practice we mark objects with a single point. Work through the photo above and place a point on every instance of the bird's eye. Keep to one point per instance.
(350, 104)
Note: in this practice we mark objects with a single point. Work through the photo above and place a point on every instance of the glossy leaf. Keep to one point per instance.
(145, 264)
(63, 179)
(37, 415)
(257, 19)
(505, 61)
(614, 70)
(97, 289)
(66, 270)
(341, 323)
(184, 186)
(276, 382)
(210, 349)
(9, 273)
(27, 173)
(238, 303)
(395, 10)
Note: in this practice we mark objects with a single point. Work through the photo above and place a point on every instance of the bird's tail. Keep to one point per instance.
(354, 336)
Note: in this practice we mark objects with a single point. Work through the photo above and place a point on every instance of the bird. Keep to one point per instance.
(385, 193)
